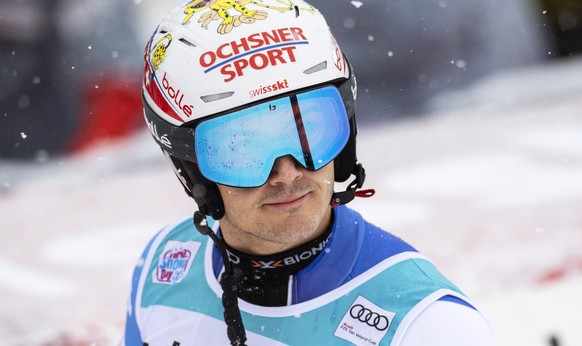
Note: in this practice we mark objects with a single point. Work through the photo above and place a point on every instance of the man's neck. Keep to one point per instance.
(264, 280)
(252, 244)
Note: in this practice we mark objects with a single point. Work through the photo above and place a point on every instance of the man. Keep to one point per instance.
(254, 105)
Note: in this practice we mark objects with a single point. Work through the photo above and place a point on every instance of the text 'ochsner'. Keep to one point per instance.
(256, 51)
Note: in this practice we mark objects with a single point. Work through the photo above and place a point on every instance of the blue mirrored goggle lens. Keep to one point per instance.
(240, 148)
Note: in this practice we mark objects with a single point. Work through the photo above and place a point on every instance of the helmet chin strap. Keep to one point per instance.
(228, 281)
(339, 198)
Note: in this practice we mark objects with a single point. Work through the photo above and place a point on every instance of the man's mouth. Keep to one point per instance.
(286, 201)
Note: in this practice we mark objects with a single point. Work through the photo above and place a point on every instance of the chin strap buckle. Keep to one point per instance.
(339, 198)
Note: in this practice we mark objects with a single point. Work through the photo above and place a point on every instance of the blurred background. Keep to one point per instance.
(470, 130)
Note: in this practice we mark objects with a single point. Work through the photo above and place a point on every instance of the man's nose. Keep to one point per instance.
(285, 171)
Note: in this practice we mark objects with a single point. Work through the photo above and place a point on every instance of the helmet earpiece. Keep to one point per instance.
(346, 160)
(204, 192)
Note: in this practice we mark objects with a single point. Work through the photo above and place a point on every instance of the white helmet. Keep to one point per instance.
(210, 57)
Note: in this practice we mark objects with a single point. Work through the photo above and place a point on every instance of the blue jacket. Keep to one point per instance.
(365, 288)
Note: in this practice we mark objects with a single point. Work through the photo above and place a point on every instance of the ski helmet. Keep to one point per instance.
(208, 59)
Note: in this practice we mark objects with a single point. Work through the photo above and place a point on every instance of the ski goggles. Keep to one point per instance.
(240, 148)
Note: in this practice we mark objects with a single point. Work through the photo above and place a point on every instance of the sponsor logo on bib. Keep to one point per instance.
(175, 261)
(365, 323)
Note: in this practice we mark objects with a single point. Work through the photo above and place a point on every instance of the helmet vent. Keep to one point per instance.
(186, 42)
(216, 97)
(319, 67)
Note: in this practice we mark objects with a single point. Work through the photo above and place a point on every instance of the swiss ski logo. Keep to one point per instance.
(175, 261)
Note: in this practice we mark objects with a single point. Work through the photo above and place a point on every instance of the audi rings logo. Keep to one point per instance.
(371, 318)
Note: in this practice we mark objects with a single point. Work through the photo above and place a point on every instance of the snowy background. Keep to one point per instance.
(487, 182)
